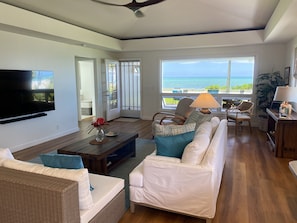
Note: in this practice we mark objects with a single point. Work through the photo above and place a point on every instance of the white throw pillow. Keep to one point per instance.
(5, 154)
(79, 175)
(215, 121)
(170, 130)
(204, 128)
(195, 150)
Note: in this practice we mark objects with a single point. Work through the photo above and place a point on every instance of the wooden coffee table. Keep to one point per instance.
(103, 157)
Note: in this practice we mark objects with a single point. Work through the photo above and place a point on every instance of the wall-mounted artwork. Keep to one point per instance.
(287, 75)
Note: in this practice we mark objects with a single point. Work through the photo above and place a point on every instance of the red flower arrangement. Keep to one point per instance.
(97, 123)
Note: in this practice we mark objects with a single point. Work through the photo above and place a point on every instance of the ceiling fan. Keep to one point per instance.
(134, 5)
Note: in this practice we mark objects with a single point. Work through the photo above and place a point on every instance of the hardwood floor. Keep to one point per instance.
(256, 186)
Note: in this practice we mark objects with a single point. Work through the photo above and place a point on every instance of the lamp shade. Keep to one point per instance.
(205, 101)
(284, 93)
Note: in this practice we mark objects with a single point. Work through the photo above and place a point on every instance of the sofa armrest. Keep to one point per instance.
(35, 198)
(179, 186)
(176, 178)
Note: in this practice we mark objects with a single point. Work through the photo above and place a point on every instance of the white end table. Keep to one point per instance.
(293, 167)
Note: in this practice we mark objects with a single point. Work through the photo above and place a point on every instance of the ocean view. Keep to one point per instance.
(202, 82)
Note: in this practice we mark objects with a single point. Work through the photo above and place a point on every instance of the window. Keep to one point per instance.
(219, 76)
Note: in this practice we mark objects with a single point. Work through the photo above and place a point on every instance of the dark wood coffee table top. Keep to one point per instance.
(101, 158)
(110, 144)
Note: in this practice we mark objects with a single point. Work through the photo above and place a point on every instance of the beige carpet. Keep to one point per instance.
(126, 120)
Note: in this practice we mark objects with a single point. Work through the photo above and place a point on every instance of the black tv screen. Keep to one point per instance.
(24, 92)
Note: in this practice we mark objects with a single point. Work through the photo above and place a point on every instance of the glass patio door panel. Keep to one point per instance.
(113, 90)
(130, 88)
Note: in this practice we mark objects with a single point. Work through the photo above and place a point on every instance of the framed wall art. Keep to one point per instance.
(287, 75)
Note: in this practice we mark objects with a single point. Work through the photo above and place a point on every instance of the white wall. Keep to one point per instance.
(291, 61)
(269, 58)
(291, 56)
(23, 52)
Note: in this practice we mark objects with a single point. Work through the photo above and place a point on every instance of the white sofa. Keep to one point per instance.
(35, 193)
(176, 185)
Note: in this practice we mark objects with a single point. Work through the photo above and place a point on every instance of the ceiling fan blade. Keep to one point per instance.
(146, 3)
(106, 3)
(134, 5)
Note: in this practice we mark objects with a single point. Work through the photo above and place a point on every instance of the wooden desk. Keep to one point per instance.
(282, 134)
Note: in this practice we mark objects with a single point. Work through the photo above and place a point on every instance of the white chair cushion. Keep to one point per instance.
(79, 175)
(5, 154)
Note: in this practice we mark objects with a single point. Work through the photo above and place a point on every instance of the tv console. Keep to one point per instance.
(16, 119)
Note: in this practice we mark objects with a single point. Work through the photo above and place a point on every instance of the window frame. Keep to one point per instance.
(219, 96)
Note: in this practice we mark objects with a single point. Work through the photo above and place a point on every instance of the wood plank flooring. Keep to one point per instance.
(256, 186)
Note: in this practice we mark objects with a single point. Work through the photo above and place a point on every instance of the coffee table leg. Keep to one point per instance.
(103, 164)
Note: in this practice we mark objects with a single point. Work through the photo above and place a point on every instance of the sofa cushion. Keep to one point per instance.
(198, 118)
(195, 150)
(109, 188)
(204, 128)
(79, 175)
(62, 161)
(5, 154)
(163, 158)
(173, 146)
(136, 176)
(169, 130)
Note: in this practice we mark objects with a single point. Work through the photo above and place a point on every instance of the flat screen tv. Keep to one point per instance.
(26, 92)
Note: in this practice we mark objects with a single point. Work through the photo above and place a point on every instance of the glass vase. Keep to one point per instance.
(100, 134)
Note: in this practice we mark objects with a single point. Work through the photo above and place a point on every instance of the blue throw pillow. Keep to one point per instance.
(62, 161)
(173, 146)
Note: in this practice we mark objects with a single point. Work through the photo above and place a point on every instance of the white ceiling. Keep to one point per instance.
(168, 18)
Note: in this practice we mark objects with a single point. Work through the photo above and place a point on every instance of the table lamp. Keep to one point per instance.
(205, 101)
(284, 94)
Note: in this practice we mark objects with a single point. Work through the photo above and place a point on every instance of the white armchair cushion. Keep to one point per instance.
(79, 175)
(195, 151)
(169, 130)
(5, 154)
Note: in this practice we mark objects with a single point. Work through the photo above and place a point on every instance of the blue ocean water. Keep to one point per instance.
(202, 82)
